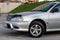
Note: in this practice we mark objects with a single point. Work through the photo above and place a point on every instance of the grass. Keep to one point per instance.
(26, 7)
(58, 0)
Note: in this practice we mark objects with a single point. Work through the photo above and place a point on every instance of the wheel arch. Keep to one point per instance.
(40, 20)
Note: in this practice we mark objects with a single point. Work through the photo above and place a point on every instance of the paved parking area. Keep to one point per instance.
(6, 34)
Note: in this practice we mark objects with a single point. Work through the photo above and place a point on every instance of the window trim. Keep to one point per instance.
(54, 7)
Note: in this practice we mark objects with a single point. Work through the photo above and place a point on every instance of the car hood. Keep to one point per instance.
(29, 13)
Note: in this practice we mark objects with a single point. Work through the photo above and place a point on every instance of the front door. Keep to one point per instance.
(54, 18)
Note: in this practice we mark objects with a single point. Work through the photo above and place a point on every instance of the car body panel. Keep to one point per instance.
(52, 20)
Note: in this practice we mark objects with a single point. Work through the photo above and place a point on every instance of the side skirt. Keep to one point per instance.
(53, 30)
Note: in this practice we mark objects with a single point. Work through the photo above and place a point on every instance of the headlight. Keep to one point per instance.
(17, 19)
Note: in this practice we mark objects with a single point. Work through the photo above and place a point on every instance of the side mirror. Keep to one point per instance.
(55, 10)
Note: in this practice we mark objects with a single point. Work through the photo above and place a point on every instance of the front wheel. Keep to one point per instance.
(36, 29)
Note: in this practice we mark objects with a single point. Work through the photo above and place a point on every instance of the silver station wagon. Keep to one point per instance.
(36, 22)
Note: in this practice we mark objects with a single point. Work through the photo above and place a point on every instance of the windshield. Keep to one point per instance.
(46, 7)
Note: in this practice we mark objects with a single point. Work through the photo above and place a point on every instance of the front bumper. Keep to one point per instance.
(18, 26)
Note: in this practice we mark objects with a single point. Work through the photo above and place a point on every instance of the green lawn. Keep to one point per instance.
(58, 0)
(26, 7)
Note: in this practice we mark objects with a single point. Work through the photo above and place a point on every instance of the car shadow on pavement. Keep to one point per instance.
(25, 34)
(53, 33)
(14, 33)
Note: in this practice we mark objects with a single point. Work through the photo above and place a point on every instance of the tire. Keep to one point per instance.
(36, 29)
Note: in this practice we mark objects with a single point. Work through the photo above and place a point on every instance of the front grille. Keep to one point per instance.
(8, 26)
(16, 27)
